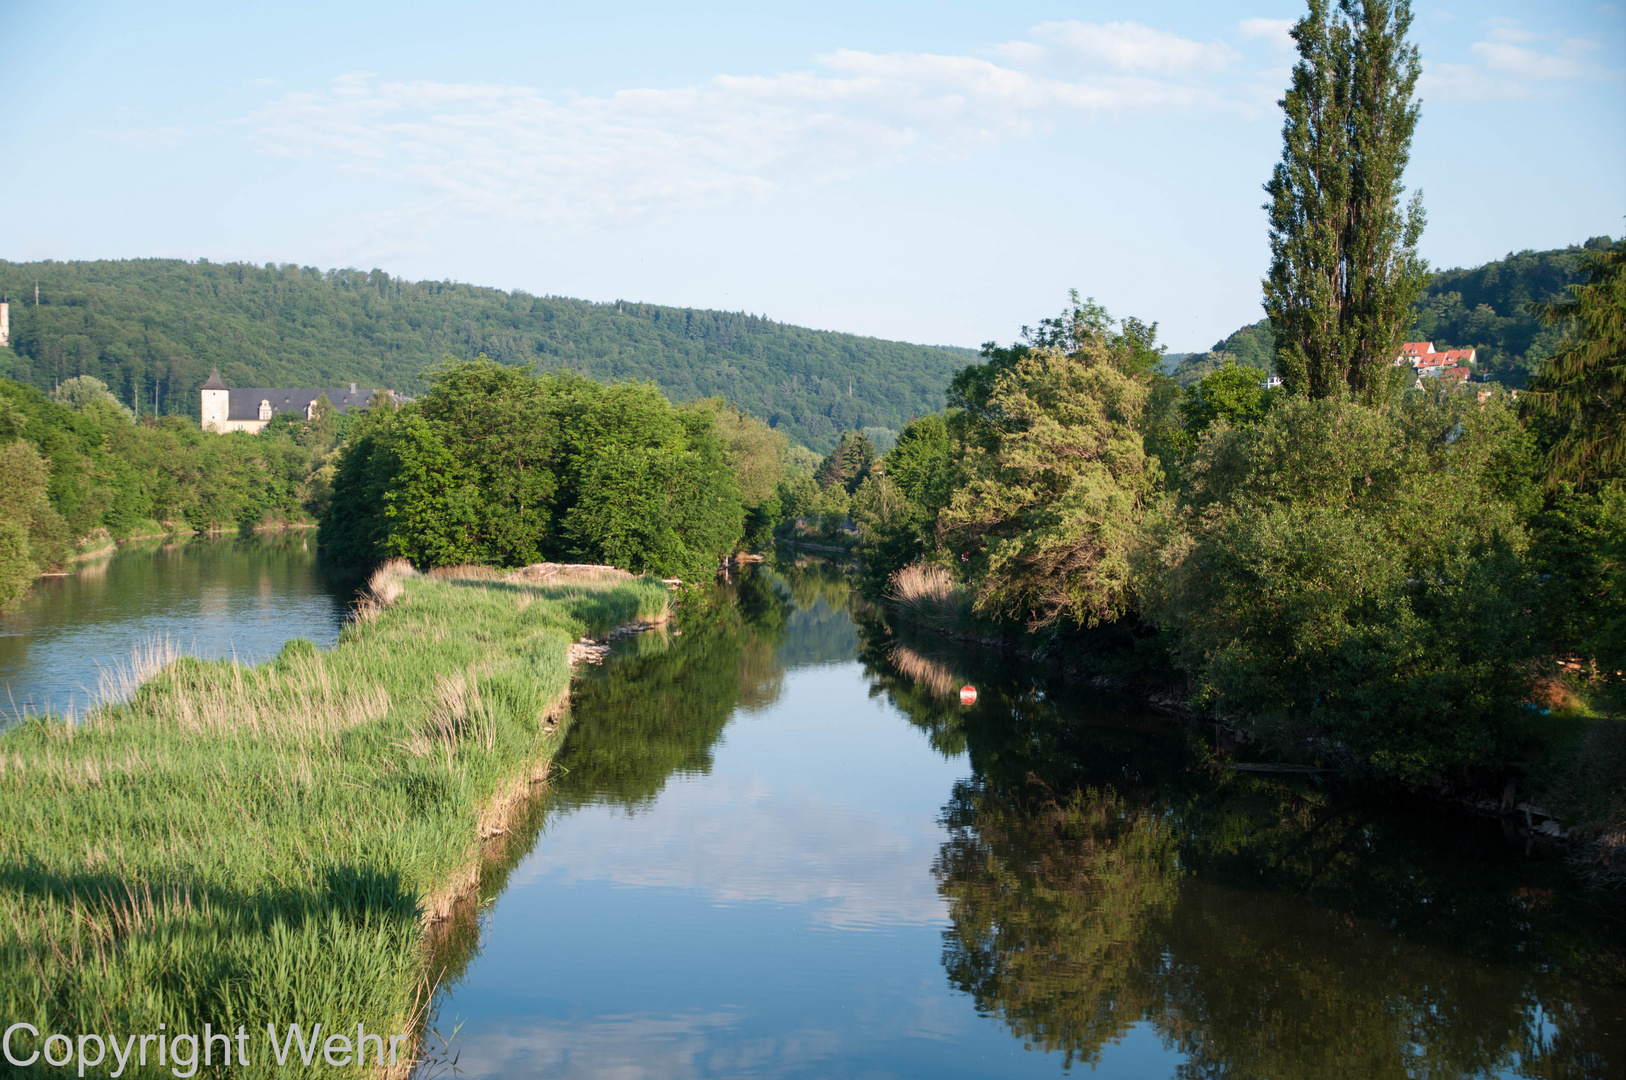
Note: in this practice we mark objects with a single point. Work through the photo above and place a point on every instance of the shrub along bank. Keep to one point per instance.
(249, 845)
(77, 469)
(496, 467)
(1395, 587)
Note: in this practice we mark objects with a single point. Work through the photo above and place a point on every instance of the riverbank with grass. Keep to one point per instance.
(243, 846)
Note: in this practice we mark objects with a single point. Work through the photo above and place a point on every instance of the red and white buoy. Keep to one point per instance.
(968, 695)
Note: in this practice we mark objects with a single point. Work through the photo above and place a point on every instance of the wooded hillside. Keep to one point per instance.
(143, 325)
(1486, 308)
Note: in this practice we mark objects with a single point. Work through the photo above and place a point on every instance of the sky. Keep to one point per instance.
(933, 172)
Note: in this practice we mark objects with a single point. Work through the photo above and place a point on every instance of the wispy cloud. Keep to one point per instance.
(1121, 47)
(577, 164)
(1275, 31)
(1511, 61)
(574, 165)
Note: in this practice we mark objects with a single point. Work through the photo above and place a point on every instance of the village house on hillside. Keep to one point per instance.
(251, 408)
(1421, 357)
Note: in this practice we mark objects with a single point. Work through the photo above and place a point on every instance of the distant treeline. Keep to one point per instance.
(1487, 308)
(152, 328)
(80, 470)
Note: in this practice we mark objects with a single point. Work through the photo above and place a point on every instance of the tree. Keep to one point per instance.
(1083, 323)
(849, 463)
(1356, 574)
(1055, 483)
(1344, 268)
(33, 537)
(1236, 395)
(1583, 386)
(82, 391)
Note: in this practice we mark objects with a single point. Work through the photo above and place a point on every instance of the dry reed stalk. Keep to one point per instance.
(147, 659)
(300, 704)
(459, 713)
(922, 584)
(383, 589)
(465, 572)
(560, 573)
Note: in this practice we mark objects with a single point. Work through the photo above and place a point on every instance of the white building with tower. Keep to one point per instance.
(251, 408)
(5, 325)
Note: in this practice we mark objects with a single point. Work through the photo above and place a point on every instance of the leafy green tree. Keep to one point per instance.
(354, 530)
(755, 451)
(896, 508)
(1054, 483)
(33, 536)
(1344, 266)
(503, 428)
(1355, 576)
(1235, 395)
(82, 391)
(432, 503)
(1082, 324)
(494, 466)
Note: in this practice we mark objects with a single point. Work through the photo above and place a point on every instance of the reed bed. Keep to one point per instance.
(927, 593)
(235, 845)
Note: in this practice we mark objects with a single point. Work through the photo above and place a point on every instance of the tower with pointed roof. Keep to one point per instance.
(216, 403)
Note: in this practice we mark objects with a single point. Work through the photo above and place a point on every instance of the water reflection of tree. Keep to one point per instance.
(1050, 905)
(1101, 875)
(659, 707)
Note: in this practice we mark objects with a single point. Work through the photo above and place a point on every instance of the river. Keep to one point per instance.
(232, 595)
(778, 845)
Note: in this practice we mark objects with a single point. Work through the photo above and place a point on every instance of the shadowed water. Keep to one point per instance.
(211, 596)
(780, 846)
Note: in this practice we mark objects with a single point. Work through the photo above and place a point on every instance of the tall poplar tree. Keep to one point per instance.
(1344, 268)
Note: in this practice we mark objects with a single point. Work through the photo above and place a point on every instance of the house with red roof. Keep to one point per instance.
(1429, 363)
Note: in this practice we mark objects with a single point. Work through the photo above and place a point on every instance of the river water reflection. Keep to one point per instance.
(779, 846)
(210, 596)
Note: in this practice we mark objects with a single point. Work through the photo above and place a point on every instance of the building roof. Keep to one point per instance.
(214, 382)
(244, 404)
(1413, 347)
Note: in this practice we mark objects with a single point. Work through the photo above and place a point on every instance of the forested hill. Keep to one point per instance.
(1486, 308)
(140, 322)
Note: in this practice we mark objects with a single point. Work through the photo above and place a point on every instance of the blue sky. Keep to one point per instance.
(931, 172)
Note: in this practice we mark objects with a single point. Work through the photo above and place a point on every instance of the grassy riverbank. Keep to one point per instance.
(251, 845)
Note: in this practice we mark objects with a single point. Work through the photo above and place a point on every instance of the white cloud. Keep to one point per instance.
(1512, 62)
(740, 843)
(575, 165)
(1274, 31)
(1122, 47)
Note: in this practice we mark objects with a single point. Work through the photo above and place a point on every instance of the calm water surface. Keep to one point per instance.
(212, 596)
(780, 847)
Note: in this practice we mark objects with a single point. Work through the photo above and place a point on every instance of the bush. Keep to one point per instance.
(498, 468)
(1357, 574)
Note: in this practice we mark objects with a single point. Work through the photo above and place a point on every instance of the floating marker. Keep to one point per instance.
(968, 695)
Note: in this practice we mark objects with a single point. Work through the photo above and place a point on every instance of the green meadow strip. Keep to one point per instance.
(249, 846)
